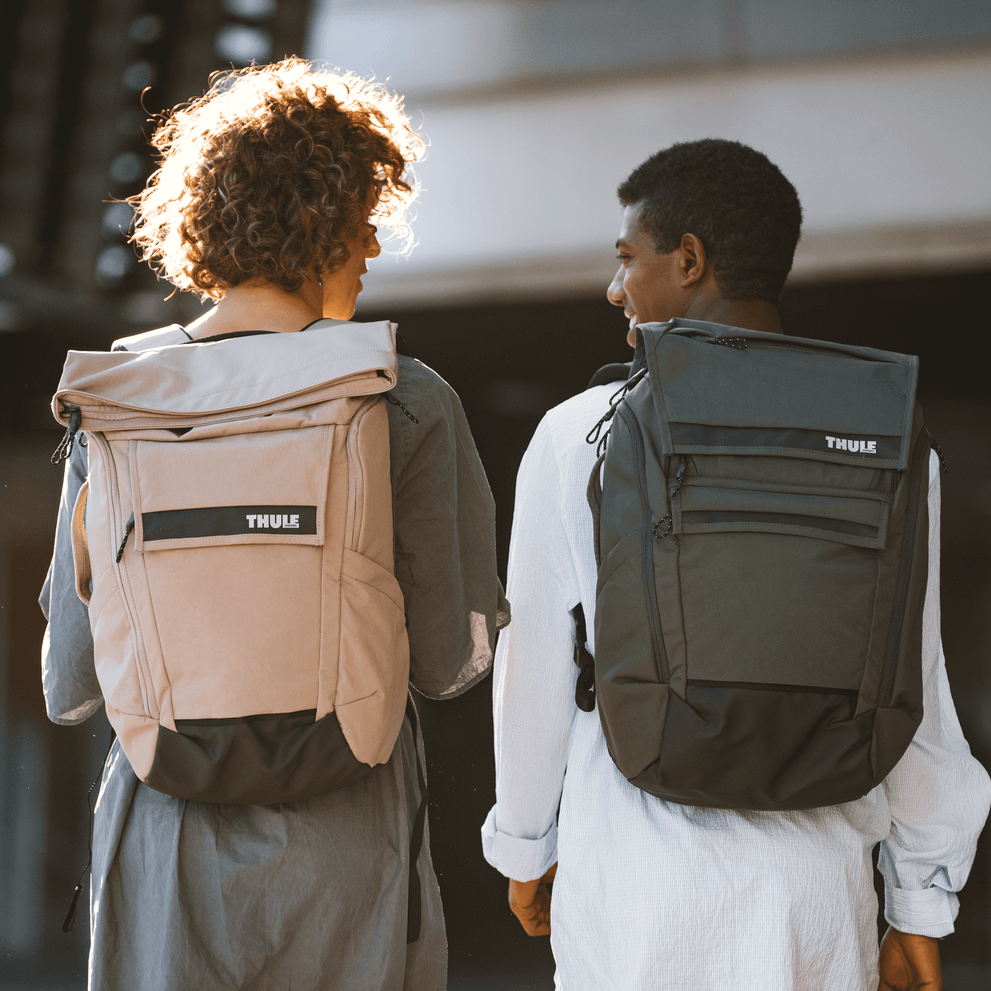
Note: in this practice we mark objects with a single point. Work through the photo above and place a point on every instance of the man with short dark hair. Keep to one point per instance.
(647, 893)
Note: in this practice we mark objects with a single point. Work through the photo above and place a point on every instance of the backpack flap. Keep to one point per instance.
(188, 385)
(730, 413)
(183, 495)
(781, 396)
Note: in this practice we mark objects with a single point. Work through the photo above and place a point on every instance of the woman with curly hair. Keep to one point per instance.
(266, 201)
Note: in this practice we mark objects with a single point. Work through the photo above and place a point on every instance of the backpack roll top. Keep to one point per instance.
(764, 515)
(184, 385)
(249, 631)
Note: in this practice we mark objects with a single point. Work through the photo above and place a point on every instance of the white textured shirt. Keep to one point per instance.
(651, 894)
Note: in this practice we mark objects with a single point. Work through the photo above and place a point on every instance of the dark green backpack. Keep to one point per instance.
(761, 532)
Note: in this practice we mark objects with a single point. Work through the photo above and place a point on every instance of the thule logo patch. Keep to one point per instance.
(223, 521)
(274, 521)
(851, 446)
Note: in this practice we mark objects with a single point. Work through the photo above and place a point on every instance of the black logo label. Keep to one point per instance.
(220, 521)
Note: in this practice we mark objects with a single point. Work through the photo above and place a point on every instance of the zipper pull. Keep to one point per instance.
(667, 522)
(127, 533)
(395, 402)
(65, 447)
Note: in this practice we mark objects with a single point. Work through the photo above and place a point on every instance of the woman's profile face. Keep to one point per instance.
(341, 287)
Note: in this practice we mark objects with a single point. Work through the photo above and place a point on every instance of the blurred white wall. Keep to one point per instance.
(530, 133)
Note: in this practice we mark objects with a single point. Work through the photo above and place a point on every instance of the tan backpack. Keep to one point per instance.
(233, 542)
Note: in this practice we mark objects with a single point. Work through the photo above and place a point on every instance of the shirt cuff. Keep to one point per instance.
(517, 858)
(927, 912)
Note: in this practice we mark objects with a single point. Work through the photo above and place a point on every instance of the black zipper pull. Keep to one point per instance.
(127, 533)
(667, 522)
(395, 402)
(70, 917)
(65, 447)
(593, 436)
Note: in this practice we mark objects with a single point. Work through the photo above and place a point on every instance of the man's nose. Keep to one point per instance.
(615, 293)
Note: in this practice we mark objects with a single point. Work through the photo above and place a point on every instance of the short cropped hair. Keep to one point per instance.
(270, 173)
(746, 213)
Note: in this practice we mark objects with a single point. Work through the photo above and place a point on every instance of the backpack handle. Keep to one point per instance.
(80, 546)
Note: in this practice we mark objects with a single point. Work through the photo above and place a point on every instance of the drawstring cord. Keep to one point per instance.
(65, 446)
(595, 435)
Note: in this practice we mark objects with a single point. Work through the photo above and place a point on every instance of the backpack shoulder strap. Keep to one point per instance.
(585, 688)
(618, 371)
(161, 338)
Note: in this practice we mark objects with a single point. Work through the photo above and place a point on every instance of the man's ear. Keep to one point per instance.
(694, 260)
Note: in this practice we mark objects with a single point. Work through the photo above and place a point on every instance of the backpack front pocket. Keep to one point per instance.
(270, 487)
(769, 594)
(706, 505)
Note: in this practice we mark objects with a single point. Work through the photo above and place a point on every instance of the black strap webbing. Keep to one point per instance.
(585, 688)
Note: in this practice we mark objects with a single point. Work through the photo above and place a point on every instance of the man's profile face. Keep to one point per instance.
(647, 285)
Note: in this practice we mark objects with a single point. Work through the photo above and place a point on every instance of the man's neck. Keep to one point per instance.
(750, 314)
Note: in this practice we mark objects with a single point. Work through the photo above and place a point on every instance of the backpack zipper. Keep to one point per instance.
(356, 479)
(745, 343)
(144, 677)
(647, 553)
(920, 458)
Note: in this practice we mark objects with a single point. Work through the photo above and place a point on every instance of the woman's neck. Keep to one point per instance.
(260, 306)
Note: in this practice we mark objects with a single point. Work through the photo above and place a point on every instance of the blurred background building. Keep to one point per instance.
(879, 111)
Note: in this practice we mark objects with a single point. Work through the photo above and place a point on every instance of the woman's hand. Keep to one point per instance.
(909, 962)
(531, 903)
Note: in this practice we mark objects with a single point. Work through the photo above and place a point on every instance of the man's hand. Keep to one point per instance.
(909, 963)
(531, 903)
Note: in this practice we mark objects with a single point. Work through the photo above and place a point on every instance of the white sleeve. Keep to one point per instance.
(535, 673)
(938, 793)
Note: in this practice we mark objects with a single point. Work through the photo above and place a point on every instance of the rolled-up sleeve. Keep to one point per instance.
(534, 673)
(938, 794)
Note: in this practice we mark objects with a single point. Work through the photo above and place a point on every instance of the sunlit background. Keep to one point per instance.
(878, 110)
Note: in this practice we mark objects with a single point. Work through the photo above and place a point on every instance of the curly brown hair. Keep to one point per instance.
(270, 174)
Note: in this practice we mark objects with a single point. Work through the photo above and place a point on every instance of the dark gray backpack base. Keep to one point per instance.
(748, 722)
(761, 533)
